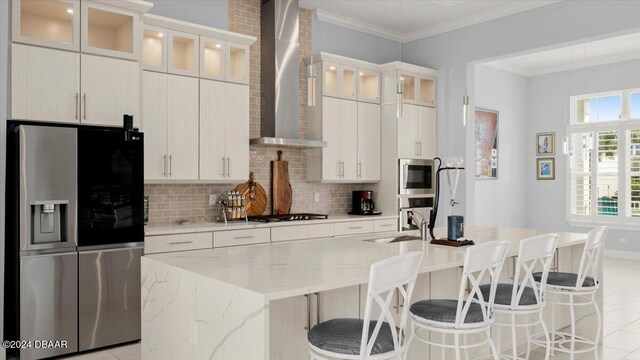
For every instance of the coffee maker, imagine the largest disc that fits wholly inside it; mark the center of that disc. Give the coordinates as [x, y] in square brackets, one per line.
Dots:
[362, 203]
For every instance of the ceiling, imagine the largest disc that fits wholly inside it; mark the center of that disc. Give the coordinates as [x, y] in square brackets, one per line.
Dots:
[599, 52]
[408, 20]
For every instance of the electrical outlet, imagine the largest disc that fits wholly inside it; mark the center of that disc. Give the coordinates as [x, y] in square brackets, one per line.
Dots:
[317, 197]
[212, 199]
[623, 240]
[193, 333]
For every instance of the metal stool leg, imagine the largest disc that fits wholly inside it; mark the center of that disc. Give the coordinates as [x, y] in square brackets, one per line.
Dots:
[494, 352]
[514, 340]
[457, 344]
[599, 329]
[572, 312]
[546, 338]
[553, 327]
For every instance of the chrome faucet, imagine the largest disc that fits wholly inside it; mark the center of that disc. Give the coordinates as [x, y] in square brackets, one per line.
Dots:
[422, 223]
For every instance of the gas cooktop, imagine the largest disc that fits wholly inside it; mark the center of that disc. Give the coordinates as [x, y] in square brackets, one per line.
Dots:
[288, 217]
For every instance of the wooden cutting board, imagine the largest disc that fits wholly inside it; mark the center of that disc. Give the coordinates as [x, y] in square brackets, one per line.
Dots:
[255, 196]
[281, 192]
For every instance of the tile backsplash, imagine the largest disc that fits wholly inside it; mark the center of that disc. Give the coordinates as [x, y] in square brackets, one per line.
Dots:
[171, 203]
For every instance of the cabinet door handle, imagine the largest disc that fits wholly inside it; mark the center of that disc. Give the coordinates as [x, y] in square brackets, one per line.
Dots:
[317, 308]
[308, 327]
[243, 237]
[228, 166]
[343, 169]
[338, 170]
[77, 98]
[224, 166]
[180, 242]
[84, 100]
[416, 149]
[170, 165]
[164, 165]
[420, 147]
[386, 225]
[359, 168]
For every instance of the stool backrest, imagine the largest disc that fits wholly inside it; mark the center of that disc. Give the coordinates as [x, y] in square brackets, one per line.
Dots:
[480, 262]
[399, 274]
[535, 253]
[591, 255]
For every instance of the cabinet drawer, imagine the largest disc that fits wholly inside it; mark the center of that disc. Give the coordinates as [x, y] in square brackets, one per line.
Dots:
[240, 237]
[385, 225]
[178, 242]
[299, 232]
[353, 227]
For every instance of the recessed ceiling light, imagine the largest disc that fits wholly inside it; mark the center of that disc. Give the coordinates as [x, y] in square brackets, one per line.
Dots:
[401, 78]
[361, 73]
[218, 46]
[70, 11]
[332, 67]
[160, 35]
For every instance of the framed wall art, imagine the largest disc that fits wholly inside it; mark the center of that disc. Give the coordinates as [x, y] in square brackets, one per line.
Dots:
[486, 162]
[545, 169]
[545, 144]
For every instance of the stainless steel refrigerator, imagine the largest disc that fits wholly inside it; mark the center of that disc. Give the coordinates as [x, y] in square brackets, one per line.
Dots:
[74, 237]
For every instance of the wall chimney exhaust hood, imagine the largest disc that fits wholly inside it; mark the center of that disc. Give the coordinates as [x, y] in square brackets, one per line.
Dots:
[280, 77]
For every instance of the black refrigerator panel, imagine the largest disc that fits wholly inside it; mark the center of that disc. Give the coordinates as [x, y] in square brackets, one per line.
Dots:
[110, 187]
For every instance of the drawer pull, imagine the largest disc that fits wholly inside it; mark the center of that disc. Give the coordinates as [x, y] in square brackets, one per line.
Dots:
[180, 242]
[355, 227]
[386, 225]
[243, 237]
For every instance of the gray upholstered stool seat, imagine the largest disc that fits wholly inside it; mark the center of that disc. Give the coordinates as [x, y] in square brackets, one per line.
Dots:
[564, 279]
[444, 310]
[343, 336]
[503, 294]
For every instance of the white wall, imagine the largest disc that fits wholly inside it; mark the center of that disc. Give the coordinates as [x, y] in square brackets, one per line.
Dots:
[343, 41]
[500, 202]
[214, 13]
[455, 53]
[548, 99]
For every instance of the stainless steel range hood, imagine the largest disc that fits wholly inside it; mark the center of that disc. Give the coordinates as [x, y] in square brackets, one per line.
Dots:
[280, 77]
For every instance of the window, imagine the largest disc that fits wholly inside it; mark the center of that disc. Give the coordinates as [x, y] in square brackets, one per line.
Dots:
[604, 167]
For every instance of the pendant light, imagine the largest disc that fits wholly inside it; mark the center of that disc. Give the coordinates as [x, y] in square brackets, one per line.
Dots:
[465, 97]
[311, 83]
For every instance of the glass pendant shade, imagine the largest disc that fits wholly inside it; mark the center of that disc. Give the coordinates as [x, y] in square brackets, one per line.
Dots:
[400, 100]
[311, 85]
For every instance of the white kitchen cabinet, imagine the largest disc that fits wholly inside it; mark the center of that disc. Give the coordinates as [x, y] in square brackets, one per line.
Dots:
[110, 30]
[53, 23]
[410, 91]
[339, 303]
[171, 126]
[177, 242]
[212, 58]
[237, 63]
[182, 115]
[353, 228]
[368, 86]
[339, 81]
[368, 168]
[110, 88]
[301, 232]
[340, 131]
[45, 84]
[289, 320]
[154, 105]
[154, 48]
[427, 91]
[417, 133]
[241, 237]
[183, 53]
[224, 131]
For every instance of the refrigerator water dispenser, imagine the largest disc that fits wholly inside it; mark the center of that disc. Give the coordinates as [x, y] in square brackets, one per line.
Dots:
[49, 221]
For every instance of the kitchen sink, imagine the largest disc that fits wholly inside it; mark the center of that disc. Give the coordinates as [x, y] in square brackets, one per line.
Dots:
[395, 239]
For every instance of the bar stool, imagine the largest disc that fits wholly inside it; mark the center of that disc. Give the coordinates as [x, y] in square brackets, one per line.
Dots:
[371, 339]
[573, 290]
[471, 313]
[525, 297]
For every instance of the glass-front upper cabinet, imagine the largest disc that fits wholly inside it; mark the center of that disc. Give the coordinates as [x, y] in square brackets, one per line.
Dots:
[426, 90]
[183, 53]
[154, 48]
[368, 86]
[212, 58]
[52, 23]
[339, 80]
[409, 82]
[110, 31]
[237, 63]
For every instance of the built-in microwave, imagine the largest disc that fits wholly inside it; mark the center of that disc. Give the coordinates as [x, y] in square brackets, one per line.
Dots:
[416, 176]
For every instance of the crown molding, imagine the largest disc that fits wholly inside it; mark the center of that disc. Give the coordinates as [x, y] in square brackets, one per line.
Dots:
[357, 25]
[488, 15]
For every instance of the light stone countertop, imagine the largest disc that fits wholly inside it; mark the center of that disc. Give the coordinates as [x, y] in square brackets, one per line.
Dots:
[208, 227]
[287, 269]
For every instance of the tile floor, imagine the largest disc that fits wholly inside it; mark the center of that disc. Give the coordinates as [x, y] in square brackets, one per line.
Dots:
[621, 325]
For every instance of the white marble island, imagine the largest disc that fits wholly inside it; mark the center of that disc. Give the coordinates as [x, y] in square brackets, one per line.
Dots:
[245, 302]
